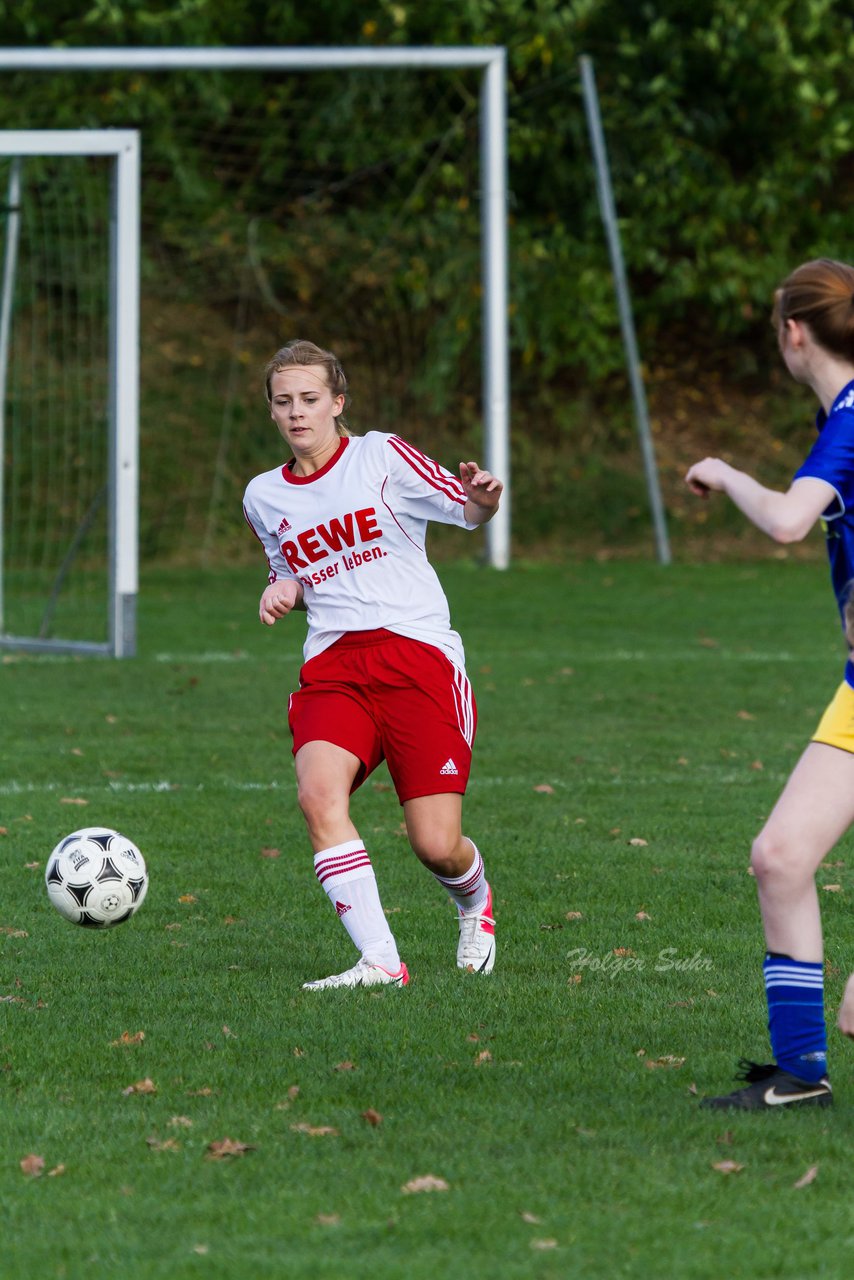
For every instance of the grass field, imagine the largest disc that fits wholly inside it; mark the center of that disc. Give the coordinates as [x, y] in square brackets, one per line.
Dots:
[636, 723]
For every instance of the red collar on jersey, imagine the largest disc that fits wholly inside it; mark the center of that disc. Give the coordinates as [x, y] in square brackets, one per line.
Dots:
[288, 468]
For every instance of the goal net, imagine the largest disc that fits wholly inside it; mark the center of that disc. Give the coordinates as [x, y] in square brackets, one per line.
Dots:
[68, 338]
[360, 205]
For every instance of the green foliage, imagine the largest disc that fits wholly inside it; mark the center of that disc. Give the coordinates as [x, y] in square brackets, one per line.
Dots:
[729, 134]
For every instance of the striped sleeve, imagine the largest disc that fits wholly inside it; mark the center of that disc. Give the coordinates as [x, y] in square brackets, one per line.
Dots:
[426, 490]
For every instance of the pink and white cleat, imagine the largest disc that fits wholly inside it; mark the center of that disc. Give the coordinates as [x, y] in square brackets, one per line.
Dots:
[363, 974]
[476, 947]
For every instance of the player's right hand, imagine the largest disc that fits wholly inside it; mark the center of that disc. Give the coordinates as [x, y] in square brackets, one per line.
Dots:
[708, 476]
[278, 600]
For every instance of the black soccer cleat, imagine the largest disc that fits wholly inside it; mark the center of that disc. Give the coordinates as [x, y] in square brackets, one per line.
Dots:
[769, 1086]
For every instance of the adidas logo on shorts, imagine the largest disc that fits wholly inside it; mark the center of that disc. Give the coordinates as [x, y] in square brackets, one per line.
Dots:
[449, 768]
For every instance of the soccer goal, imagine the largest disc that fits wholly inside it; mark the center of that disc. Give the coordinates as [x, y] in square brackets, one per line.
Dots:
[356, 197]
[69, 303]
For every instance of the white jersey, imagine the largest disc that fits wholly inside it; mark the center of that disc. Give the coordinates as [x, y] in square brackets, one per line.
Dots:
[353, 534]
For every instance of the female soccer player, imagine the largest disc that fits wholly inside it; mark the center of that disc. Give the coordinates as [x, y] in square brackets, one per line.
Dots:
[343, 525]
[814, 319]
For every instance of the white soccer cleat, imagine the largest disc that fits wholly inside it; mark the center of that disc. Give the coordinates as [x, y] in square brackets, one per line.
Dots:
[363, 974]
[476, 947]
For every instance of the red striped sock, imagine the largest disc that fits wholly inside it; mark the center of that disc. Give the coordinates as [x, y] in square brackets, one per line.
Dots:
[347, 876]
[468, 891]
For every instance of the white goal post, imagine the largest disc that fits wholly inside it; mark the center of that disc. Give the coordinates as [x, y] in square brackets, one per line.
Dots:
[121, 483]
[491, 61]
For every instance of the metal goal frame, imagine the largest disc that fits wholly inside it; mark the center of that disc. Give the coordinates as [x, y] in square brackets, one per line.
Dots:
[492, 62]
[123, 369]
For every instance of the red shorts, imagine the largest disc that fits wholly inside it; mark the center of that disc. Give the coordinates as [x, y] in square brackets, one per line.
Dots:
[383, 696]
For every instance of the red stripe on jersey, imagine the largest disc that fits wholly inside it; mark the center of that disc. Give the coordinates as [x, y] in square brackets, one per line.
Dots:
[272, 576]
[429, 470]
[394, 517]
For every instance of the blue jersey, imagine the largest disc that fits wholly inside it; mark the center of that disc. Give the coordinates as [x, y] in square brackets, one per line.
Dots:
[832, 459]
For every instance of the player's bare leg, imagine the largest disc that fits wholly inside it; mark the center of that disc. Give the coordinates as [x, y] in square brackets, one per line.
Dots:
[325, 773]
[434, 827]
[815, 809]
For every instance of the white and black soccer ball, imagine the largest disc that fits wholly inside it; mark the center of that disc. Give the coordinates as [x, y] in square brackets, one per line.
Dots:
[96, 877]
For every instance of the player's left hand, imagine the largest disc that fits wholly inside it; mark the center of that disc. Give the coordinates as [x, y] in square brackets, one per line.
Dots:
[481, 487]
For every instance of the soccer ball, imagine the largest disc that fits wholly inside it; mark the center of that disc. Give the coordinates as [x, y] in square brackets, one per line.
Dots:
[96, 877]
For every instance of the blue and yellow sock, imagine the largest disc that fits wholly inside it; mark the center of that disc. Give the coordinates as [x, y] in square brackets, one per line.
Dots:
[795, 993]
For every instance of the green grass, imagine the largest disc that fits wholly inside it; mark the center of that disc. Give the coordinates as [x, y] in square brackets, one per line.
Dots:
[657, 705]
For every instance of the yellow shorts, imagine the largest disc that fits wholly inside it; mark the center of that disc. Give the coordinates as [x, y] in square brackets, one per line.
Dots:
[836, 726]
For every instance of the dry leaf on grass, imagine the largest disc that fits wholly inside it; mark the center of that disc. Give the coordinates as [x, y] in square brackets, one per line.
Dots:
[574, 915]
[180, 1122]
[126, 1038]
[544, 789]
[327, 1219]
[73, 800]
[315, 1130]
[32, 1166]
[225, 1148]
[544, 1244]
[530, 1218]
[372, 1117]
[642, 915]
[293, 1094]
[638, 842]
[832, 888]
[427, 1182]
[162, 1144]
[10, 932]
[728, 1166]
[482, 1058]
[188, 898]
[810, 1176]
[57, 1171]
[345, 1066]
[270, 853]
[668, 1060]
[141, 1086]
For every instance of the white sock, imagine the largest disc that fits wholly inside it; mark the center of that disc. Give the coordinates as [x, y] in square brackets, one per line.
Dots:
[468, 891]
[346, 874]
